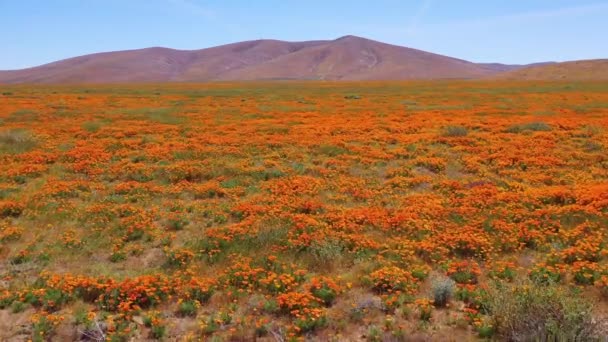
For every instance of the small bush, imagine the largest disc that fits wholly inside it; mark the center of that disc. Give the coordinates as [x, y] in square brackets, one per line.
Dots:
[17, 141]
[176, 223]
[18, 306]
[532, 126]
[158, 332]
[43, 327]
[325, 289]
[533, 312]
[443, 290]
[374, 334]
[91, 126]
[271, 306]
[332, 150]
[187, 308]
[455, 131]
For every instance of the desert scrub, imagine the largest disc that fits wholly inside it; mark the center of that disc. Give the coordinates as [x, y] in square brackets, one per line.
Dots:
[442, 289]
[454, 131]
[464, 272]
[15, 141]
[503, 270]
[91, 126]
[43, 326]
[545, 274]
[324, 289]
[529, 311]
[187, 308]
[532, 126]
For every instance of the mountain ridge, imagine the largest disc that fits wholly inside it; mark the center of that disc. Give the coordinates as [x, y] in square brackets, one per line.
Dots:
[345, 58]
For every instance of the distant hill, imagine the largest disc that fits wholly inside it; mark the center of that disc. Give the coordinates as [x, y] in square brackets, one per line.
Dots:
[595, 69]
[345, 58]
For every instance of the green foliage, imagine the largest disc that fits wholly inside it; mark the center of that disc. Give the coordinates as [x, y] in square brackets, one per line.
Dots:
[307, 324]
[374, 334]
[15, 141]
[545, 275]
[158, 331]
[18, 306]
[325, 294]
[528, 311]
[118, 256]
[42, 330]
[177, 223]
[187, 308]
[332, 150]
[271, 306]
[532, 126]
[485, 331]
[91, 126]
[455, 131]
[442, 289]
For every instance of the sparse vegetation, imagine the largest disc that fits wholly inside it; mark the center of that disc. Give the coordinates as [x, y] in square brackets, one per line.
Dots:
[183, 211]
[16, 141]
[532, 126]
[455, 131]
[528, 311]
[443, 290]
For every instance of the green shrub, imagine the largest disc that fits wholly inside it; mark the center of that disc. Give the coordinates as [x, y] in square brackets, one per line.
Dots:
[158, 332]
[118, 256]
[485, 331]
[533, 312]
[374, 334]
[271, 306]
[307, 323]
[42, 329]
[443, 290]
[332, 150]
[455, 131]
[532, 126]
[187, 308]
[177, 223]
[18, 306]
[91, 126]
[15, 141]
[325, 294]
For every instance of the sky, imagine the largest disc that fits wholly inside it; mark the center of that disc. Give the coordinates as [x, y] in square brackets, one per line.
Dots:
[35, 32]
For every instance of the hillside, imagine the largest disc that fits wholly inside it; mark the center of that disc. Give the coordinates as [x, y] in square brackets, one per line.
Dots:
[596, 69]
[345, 58]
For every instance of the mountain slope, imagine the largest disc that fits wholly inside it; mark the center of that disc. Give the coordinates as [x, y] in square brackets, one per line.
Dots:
[346, 58]
[153, 64]
[355, 58]
[595, 69]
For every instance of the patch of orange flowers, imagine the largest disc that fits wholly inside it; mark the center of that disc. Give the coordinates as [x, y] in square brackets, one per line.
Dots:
[278, 202]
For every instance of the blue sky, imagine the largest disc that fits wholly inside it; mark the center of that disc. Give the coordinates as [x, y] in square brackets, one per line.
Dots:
[34, 32]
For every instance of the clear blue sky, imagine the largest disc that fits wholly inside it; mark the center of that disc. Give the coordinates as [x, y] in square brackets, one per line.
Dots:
[34, 32]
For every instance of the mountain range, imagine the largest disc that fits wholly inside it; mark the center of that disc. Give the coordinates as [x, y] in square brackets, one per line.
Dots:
[345, 58]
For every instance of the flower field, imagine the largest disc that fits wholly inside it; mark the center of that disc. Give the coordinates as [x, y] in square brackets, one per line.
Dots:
[286, 211]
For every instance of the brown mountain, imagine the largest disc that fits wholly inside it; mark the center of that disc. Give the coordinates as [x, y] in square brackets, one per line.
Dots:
[594, 69]
[346, 58]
